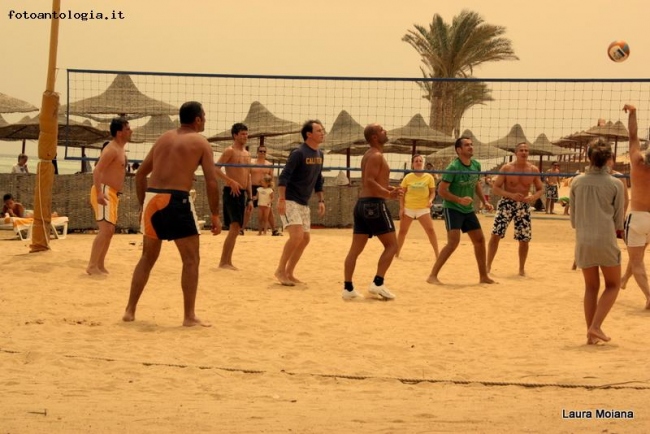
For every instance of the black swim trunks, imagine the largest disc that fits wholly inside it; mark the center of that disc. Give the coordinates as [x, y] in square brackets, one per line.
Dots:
[371, 217]
[168, 215]
[233, 208]
[255, 187]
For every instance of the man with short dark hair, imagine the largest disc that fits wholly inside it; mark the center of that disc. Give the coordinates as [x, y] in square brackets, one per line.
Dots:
[301, 176]
[11, 207]
[235, 205]
[457, 190]
[167, 209]
[108, 180]
[513, 185]
[257, 175]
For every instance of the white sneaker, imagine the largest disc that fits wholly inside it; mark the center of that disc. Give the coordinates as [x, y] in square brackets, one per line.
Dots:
[381, 291]
[351, 295]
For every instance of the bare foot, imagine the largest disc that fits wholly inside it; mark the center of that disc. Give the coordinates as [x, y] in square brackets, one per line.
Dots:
[194, 321]
[597, 334]
[522, 273]
[486, 279]
[574, 266]
[103, 270]
[284, 279]
[294, 279]
[434, 280]
[94, 271]
[128, 316]
[647, 304]
[593, 341]
[228, 267]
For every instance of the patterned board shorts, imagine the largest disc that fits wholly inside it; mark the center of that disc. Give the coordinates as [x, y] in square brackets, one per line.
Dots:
[551, 192]
[296, 214]
[507, 210]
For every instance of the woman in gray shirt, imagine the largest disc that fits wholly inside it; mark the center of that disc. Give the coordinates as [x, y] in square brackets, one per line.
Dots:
[597, 212]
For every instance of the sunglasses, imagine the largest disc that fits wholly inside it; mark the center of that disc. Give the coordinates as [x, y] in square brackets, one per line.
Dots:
[261, 152]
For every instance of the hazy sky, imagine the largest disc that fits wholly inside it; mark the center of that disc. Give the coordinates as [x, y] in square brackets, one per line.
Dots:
[553, 38]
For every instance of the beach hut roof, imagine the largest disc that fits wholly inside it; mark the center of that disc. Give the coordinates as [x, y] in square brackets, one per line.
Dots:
[153, 128]
[261, 123]
[611, 131]
[71, 133]
[345, 133]
[9, 104]
[417, 133]
[512, 139]
[122, 97]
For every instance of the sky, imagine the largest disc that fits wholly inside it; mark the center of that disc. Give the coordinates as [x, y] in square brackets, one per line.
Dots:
[552, 38]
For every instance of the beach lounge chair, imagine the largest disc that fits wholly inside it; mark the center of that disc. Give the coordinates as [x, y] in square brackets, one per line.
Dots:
[23, 227]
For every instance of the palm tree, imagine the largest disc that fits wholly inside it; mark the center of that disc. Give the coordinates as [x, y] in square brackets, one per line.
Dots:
[453, 51]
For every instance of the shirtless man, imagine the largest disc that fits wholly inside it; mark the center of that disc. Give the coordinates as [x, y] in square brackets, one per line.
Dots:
[257, 175]
[637, 225]
[235, 204]
[371, 216]
[552, 185]
[108, 180]
[515, 204]
[11, 207]
[167, 211]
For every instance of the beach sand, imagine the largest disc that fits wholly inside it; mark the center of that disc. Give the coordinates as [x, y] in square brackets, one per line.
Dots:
[464, 357]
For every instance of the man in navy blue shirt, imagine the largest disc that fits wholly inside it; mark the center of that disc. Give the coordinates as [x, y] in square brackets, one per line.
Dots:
[301, 176]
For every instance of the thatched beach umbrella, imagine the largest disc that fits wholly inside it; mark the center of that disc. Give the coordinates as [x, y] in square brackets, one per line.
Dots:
[3, 122]
[575, 142]
[611, 131]
[345, 134]
[481, 152]
[9, 104]
[510, 141]
[70, 132]
[418, 135]
[153, 128]
[261, 123]
[121, 97]
[543, 146]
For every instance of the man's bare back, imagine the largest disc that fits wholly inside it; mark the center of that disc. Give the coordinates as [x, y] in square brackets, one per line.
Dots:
[175, 157]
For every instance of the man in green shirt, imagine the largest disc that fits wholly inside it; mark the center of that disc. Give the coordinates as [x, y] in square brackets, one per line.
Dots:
[457, 189]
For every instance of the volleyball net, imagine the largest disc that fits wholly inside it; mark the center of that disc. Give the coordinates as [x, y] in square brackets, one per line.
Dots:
[557, 117]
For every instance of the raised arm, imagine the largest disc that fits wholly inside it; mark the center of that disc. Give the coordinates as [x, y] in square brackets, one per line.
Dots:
[635, 144]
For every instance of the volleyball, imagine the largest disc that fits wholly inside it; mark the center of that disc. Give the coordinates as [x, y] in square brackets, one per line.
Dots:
[618, 51]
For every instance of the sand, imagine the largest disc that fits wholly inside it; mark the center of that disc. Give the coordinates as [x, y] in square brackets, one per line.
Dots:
[464, 357]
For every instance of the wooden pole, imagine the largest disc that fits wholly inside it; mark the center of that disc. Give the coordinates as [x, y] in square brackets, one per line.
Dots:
[47, 143]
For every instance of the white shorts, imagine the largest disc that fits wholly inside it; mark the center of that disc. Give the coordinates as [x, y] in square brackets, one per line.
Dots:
[416, 213]
[296, 214]
[637, 229]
